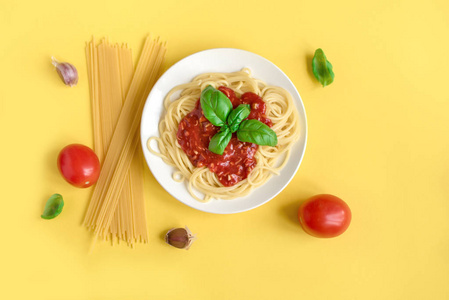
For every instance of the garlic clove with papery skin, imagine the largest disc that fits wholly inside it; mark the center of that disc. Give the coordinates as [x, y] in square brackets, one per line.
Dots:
[180, 238]
[66, 71]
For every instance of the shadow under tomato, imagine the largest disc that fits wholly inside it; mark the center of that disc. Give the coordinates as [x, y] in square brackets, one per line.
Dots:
[290, 212]
[295, 195]
[51, 166]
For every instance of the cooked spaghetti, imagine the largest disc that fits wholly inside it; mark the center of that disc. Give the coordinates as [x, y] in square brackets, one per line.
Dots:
[203, 184]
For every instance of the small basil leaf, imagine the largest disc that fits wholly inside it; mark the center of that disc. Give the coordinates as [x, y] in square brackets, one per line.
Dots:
[322, 68]
[236, 116]
[220, 140]
[256, 132]
[53, 207]
[216, 106]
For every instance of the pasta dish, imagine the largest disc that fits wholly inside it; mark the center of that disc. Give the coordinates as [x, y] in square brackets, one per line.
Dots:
[186, 134]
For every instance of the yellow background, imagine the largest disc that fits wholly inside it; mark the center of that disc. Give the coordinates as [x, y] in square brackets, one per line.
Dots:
[378, 138]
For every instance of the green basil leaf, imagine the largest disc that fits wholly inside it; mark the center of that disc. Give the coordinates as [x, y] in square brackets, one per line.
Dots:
[53, 207]
[237, 115]
[216, 106]
[220, 140]
[256, 132]
[322, 68]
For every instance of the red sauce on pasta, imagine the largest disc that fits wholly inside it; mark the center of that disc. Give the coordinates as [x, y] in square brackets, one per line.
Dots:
[237, 161]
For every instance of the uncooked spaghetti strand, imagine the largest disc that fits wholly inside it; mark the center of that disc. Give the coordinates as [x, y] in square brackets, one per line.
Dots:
[106, 174]
[112, 181]
[124, 163]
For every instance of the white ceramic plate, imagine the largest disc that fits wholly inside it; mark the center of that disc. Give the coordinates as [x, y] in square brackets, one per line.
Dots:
[219, 60]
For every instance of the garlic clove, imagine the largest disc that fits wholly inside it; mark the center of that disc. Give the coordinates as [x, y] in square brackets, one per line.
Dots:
[180, 238]
[66, 71]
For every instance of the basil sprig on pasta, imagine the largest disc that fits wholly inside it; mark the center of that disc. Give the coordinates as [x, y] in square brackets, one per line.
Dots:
[218, 110]
[237, 115]
[256, 132]
[220, 140]
[216, 106]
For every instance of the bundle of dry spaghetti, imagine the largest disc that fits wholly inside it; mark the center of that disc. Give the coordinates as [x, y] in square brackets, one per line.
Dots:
[117, 209]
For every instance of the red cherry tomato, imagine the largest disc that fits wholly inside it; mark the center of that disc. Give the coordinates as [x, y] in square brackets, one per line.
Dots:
[324, 216]
[79, 165]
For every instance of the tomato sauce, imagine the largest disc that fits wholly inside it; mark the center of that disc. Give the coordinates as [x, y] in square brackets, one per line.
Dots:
[237, 161]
